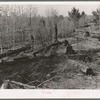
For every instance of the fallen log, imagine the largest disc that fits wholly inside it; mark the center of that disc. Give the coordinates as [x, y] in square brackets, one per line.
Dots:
[46, 49]
[17, 51]
[21, 58]
[54, 45]
[15, 85]
[83, 68]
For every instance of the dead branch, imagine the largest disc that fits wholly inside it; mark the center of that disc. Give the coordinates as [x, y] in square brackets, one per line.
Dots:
[34, 71]
[33, 82]
[15, 85]
[46, 49]
[56, 71]
[47, 80]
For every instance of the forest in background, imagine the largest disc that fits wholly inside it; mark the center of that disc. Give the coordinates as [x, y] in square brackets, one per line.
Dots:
[18, 23]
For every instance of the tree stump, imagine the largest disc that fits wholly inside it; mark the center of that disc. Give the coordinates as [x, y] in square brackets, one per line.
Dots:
[66, 43]
[69, 50]
[87, 34]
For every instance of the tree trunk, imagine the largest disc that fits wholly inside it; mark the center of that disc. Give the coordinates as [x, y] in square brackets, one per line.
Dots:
[56, 33]
[1, 45]
[13, 41]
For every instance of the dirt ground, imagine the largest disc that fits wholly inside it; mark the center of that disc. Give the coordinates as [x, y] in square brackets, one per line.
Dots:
[71, 77]
[58, 72]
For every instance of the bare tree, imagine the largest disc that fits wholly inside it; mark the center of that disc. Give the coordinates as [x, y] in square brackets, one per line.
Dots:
[49, 25]
[31, 15]
[4, 11]
[14, 17]
[53, 18]
[42, 32]
[31, 12]
[22, 23]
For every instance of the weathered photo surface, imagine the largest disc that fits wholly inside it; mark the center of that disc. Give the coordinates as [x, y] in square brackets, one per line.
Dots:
[50, 45]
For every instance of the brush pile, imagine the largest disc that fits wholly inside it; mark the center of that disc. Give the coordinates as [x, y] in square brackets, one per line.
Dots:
[31, 72]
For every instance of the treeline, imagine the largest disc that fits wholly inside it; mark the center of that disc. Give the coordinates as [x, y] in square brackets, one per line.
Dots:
[19, 22]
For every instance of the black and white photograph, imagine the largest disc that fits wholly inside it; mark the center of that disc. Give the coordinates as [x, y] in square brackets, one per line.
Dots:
[50, 45]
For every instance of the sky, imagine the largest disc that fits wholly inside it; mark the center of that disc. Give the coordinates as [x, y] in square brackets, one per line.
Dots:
[61, 7]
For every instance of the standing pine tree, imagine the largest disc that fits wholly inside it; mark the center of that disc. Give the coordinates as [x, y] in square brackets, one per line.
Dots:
[96, 15]
[74, 16]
